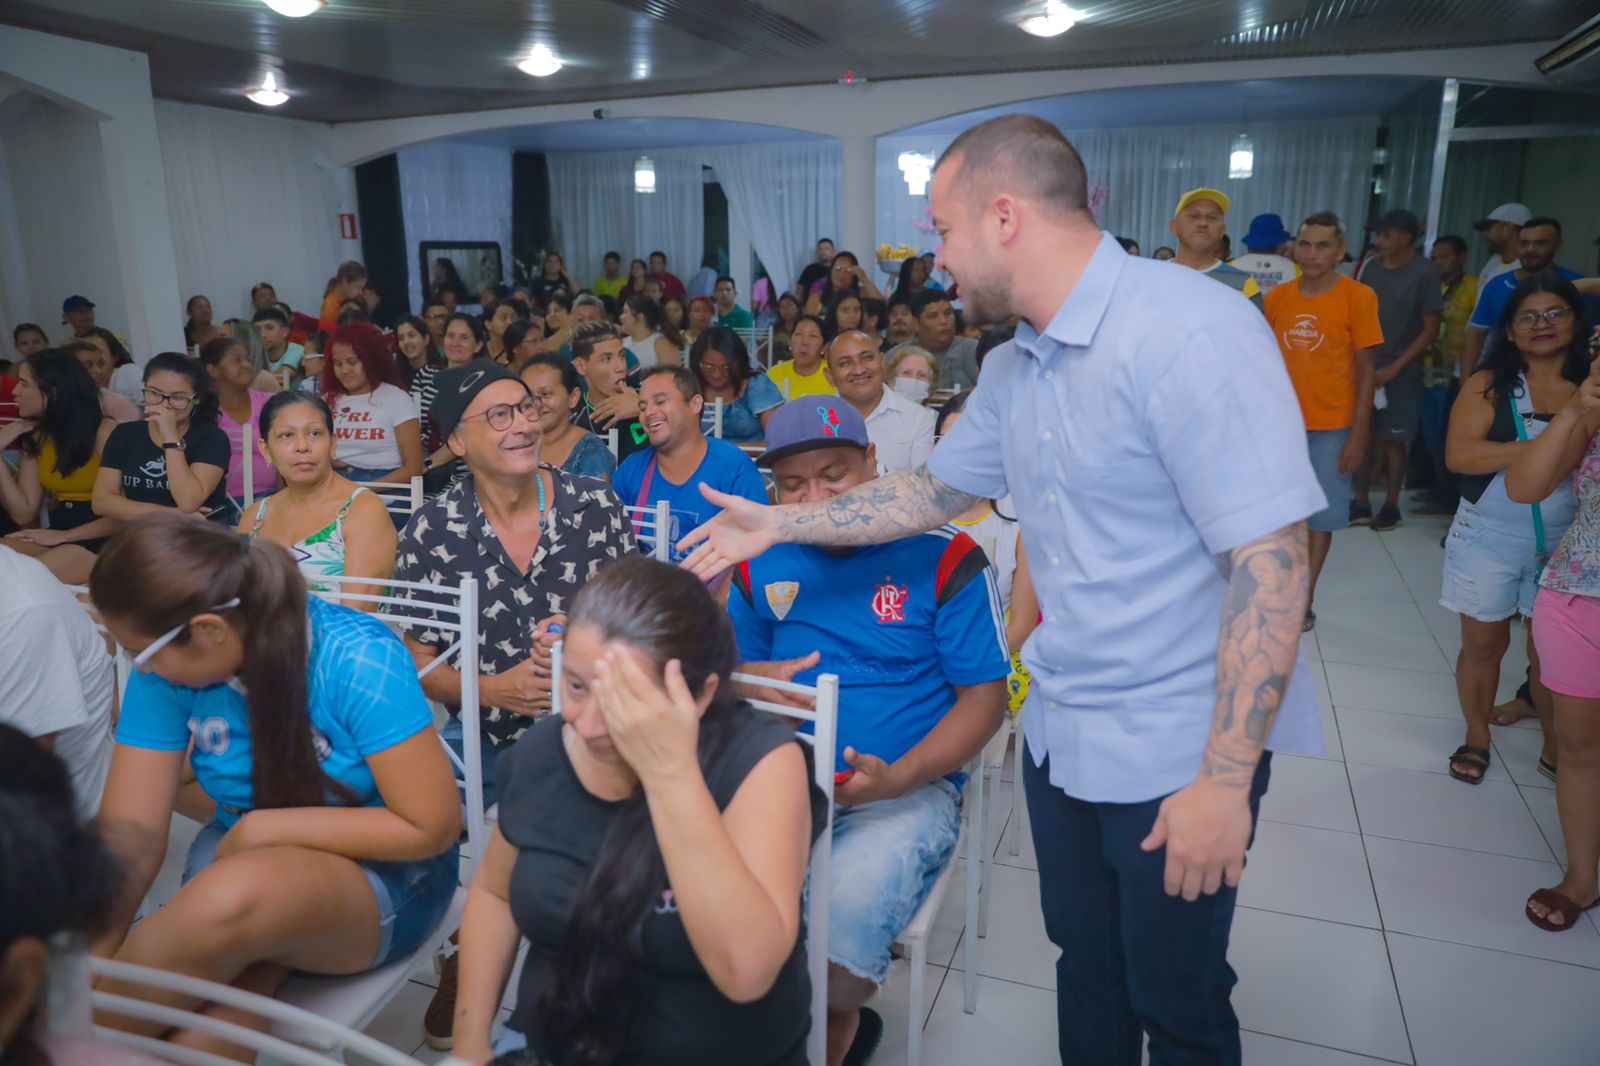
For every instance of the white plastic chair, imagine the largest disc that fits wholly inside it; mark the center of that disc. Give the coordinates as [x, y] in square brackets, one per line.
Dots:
[711, 417]
[653, 524]
[247, 452]
[73, 1000]
[611, 440]
[355, 1000]
[400, 497]
[824, 721]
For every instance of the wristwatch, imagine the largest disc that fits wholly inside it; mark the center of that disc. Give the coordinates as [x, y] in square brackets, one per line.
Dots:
[178, 444]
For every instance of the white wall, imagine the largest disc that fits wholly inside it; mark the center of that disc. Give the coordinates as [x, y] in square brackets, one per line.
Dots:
[454, 192]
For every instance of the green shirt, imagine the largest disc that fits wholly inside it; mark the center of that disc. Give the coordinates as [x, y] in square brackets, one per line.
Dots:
[738, 318]
[611, 287]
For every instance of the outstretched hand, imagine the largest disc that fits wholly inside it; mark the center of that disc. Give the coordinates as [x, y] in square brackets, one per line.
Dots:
[741, 532]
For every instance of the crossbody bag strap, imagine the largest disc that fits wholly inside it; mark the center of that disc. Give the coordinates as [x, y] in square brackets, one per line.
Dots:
[1538, 512]
[643, 502]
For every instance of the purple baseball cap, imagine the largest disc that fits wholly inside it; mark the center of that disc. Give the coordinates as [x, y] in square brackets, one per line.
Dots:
[813, 422]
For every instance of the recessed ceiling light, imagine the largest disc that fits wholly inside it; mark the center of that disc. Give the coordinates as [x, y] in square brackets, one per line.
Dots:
[295, 9]
[541, 62]
[1052, 20]
[267, 94]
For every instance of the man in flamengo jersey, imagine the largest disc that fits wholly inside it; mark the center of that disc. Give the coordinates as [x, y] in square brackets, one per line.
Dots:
[914, 630]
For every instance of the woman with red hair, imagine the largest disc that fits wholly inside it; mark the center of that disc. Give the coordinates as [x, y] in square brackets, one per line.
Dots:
[376, 431]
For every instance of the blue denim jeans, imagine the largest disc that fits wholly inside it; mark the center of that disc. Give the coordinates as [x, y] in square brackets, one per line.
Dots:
[1134, 960]
[454, 735]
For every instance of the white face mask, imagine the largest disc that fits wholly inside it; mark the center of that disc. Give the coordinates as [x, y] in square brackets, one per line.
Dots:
[912, 389]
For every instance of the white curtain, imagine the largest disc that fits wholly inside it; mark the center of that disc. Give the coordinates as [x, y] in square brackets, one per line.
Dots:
[251, 200]
[1137, 174]
[53, 189]
[785, 195]
[454, 192]
[594, 209]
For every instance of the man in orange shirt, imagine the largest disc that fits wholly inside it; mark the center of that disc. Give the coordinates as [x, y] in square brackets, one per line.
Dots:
[1327, 328]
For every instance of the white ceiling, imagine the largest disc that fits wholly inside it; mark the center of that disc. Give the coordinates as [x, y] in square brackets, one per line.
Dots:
[630, 133]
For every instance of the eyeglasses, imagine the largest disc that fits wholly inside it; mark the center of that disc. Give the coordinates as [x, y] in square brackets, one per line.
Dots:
[178, 401]
[142, 660]
[436, 317]
[1531, 319]
[501, 415]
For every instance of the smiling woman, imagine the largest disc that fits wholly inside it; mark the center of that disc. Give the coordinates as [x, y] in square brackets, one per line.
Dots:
[375, 423]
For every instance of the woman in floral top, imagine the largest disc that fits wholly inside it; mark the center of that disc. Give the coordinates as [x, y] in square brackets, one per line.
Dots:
[1566, 634]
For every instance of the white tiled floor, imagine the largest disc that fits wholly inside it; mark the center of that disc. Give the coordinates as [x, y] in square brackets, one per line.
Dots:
[1381, 916]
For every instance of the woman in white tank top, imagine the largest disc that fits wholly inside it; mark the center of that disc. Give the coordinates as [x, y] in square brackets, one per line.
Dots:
[649, 336]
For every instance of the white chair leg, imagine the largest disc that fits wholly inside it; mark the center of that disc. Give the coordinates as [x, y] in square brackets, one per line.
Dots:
[1019, 801]
[976, 867]
[919, 973]
[986, 888]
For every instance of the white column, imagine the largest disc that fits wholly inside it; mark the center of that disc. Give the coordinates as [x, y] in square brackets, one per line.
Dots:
[857, 198]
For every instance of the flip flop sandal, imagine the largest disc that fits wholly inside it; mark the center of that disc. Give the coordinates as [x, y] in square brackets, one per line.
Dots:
[1310, 622]
[1547, 768]
[1470, 755]
[869, 1034]
[1558, 904]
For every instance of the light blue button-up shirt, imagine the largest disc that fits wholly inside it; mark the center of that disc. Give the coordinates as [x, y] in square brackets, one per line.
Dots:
[1146, 433]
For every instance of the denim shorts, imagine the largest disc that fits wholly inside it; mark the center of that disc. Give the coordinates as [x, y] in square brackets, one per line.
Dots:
[1324, 446]
[886, 857]
[412, 896]
[1491, 572]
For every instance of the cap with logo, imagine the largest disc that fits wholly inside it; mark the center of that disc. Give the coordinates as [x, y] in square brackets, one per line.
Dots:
[75, 303]
[1216, 196]
[813, 422]
[1516, 214]
[459, 386]
[1396, 219]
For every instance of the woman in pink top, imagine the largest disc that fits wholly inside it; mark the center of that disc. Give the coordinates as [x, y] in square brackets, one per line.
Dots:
[228, 365]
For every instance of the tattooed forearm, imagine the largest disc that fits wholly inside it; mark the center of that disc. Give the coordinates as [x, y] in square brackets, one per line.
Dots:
[1261, 620]
[885, 509]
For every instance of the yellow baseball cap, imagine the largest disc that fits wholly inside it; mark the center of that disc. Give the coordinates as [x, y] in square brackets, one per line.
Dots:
[1216, 196]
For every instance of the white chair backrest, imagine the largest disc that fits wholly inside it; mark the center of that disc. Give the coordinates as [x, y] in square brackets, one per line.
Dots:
[652, 524]
[711, 418]
[247, 451]
[400, 497]
[453, 611]
[611, 442]
[783, 387]
[74, 1019]
[823, 738]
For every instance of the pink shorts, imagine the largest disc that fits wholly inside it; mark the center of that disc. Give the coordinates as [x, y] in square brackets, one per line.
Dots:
[1566, 633]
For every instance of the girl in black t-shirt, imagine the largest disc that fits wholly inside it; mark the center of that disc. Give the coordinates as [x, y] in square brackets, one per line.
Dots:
[651, 847]
[175, 458]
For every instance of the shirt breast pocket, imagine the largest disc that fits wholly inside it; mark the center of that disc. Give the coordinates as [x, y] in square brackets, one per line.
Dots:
[1121, 511]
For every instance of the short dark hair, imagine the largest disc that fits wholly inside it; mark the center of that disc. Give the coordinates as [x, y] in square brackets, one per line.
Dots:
[926, 299]
[724, 277]
[1024, 154]
[570, 378]
[1325, 218]
[894, 301]
[588, 334]
[872, 307]
[270, 314]
[496, 291]
[682, 376]
[28, 327]
[258, 286]
[822, 239]
[1450, 240]
[1543, 220]
[657, 252]
[992, 339]
[612, 255]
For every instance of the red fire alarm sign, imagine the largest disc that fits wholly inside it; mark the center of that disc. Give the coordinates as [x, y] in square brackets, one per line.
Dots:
[347, 226]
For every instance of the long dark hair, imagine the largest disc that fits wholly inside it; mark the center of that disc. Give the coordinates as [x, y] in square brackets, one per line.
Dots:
[587, 1008]
[434, 357]
[732, 347]
[206, 404]
[655, 316]
[827, 293]
[71, 416]
[1505, 360]
[216, 349]
[830, 316]
[902, 285]
[164, 569]
[288, 398]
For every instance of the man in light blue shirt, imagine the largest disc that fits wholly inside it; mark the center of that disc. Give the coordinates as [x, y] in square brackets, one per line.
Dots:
[1145, 426]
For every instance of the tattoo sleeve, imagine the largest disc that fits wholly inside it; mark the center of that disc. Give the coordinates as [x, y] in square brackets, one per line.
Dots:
[1267, 593]
[884, 509]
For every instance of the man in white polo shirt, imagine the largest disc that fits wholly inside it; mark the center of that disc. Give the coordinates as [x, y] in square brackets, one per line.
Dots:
[900, 429]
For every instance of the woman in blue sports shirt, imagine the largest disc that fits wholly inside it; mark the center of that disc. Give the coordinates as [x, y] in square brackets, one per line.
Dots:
[333, 846]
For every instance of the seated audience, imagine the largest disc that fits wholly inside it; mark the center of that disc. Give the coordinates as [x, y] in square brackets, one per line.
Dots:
[936, 332]
[789, 312]
[465, 339]
[1163, 253]
[638, 272]
[558, 323]
[531, 535]
[901, 429]
[333, 846]
[345, 286]
[553, 278]
[702, 316]
[844, 275]
[375, 422]
[729, 312]
[993, 338]
[96, 359]
[311, 362]
[414, 350]
[680, 459]
[522, 342]
[675, 312]
[670, 283]
[902, 324]
[720, 802]
[844, 313]
[58, 887]
[721, 362]
[1531, 368]
[176, 458]
[649, 338]
[609, 401]
[497, 318]
[815, 270]
[874, 314]
[436, 315]
[914, 373]
[922, 666]
[55, 675]
[238, 406]
[199, 330]
[263, 294]
[557, 388]
[62, 437]
[610, 282]
[915, 277]
[28, 338]
[332, 526]
[803, 373]
[704, 281]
